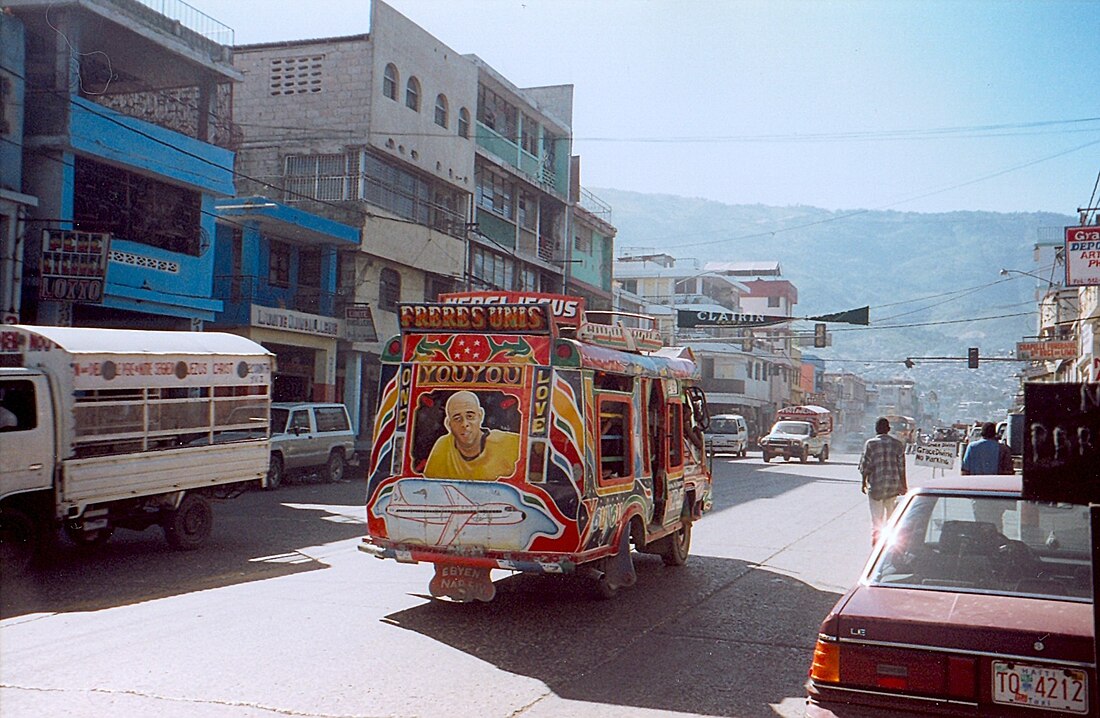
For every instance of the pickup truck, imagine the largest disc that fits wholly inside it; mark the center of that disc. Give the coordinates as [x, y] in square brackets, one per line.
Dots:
[800, 432]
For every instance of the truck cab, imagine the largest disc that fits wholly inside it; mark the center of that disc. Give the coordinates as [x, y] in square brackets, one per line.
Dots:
[27, 440]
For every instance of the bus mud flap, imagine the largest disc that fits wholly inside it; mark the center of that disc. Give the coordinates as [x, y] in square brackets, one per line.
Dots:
[619, 569]
[462, 584]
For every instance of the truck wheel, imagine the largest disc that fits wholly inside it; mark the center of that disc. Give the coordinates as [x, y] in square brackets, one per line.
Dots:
[767, 457]
[674, 548]
[335, 468]
[824, 455]
[274, 472]
[18, 542]
[190, 525]
[805, 454]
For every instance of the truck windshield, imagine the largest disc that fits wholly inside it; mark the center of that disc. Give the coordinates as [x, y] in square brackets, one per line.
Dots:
[791, 427]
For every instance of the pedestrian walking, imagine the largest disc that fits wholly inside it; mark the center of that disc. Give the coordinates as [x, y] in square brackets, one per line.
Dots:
[986, 455]
[882, 466]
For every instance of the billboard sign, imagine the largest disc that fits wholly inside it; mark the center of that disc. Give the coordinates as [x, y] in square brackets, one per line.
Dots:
[73, 266]
[1062, 442]
[1082, 252]
[1040, 351]
[691, 319]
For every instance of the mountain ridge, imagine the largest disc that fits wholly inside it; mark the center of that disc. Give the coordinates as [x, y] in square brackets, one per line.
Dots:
[938, 271]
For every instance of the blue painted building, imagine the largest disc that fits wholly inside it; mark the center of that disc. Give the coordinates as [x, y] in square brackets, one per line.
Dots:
[275, 275]
[126, 143]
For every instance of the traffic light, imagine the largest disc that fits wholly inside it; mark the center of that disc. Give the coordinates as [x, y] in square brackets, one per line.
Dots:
[972, 358]
[819, 336]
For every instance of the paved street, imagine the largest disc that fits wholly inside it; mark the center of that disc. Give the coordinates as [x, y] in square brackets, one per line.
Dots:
[281, 615]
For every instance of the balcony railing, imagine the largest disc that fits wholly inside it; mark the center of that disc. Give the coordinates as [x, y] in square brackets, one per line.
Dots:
[193, 19]
[249, 289]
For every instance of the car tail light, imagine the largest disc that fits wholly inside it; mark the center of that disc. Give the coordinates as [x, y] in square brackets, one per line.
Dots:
[890, 676]
[961, 677]
[826, 664]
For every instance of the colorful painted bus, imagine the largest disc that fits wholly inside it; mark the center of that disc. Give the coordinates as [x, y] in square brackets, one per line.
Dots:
[513, 434]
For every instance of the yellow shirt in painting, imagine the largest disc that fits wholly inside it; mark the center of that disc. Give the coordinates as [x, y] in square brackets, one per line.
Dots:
[499, 453]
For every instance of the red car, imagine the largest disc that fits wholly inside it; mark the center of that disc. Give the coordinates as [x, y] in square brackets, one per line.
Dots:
[976, 603]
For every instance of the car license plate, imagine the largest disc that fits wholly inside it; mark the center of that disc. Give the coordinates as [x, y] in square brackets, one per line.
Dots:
[1018, 684]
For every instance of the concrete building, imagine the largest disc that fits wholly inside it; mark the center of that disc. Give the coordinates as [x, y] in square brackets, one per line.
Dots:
[118, 143]
[455, 177]
[275, 274]
[848, 397]
[745, 370]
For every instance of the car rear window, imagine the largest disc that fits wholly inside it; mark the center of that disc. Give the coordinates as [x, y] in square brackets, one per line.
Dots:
[989, 544]
[278, 420]
[332, 418]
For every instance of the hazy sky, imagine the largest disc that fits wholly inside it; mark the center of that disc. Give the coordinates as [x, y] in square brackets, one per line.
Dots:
[913, 106]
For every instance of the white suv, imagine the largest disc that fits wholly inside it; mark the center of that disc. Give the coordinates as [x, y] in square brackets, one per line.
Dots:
[309, 436]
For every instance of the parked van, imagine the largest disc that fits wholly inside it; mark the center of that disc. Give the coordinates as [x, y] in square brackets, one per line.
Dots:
[728, 434]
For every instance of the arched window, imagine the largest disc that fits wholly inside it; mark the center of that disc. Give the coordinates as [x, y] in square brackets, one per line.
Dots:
[389, 289]
[441, 117]
[389, 82]
[412, 94]
[464, 122]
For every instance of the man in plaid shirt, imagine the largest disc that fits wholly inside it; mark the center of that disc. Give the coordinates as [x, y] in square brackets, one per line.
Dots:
[882, 466]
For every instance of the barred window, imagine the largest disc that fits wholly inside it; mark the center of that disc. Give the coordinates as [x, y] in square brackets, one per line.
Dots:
[136, 207]
[464, 123]
[441, 114]
[329, 177]
[496, 113]
[389, 81]
[491, 269]
[279, 270]
[389, 289]
[494, 193]
[529, 135]
[412, 94]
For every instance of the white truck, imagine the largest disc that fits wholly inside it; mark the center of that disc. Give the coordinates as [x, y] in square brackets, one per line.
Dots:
[799, 433]
[106, 428]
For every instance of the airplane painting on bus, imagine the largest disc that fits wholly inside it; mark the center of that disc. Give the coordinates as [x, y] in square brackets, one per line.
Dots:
[437, 513]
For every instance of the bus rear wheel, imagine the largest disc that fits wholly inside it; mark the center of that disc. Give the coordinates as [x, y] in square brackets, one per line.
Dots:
[674, 548]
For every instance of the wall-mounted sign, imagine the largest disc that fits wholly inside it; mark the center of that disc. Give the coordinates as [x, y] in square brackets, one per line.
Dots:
[1038, 351]
[359, 324]
[73, 266]
[291, 321]
[1082, 252]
